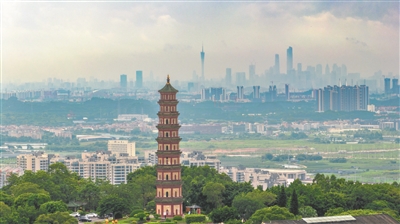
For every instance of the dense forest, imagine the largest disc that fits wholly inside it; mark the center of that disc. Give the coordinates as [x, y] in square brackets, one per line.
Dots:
[55, 113]
[48, 197]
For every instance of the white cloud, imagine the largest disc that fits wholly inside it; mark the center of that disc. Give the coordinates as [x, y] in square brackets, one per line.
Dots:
[107, 39]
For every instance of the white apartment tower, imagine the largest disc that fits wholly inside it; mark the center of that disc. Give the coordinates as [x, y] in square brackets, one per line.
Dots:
[122, 146]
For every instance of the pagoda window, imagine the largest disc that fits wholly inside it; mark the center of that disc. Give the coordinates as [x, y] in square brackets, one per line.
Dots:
[166, 121]
[176, 195]
[166, 147]
[166, 177]
[166, 133]
[175, 177]
[176, 212]
[159, 176]
[166, 194]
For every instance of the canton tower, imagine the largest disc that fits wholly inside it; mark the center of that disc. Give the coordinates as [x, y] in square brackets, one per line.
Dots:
[202, 54]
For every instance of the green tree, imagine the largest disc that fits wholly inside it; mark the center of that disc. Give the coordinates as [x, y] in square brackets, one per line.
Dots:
[90, 193]
[5, 213]
[30, 199]
[7, 199]
[282, 199]
[26, 187]
[213, 192]
[223, 214]
[246, 206]
[113, 204]
[146, 188]
[265, 197]
[294, 203]
[307, 211]
[53, 206]
[56, 218]
[271, 213]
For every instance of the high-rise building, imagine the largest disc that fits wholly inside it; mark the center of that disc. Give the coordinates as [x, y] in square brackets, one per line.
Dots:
[122, 146]
[387, 86]
[272, 92]
[169, 200]
[217, 94]
[256, 92]
[277, 69]
[327, 70]
[190, 86]
[342, 98]
[289, 65]
[299, 68]
[139, 79]
[202, 55]
[320, 100]
[33, 162]
[123, 81]
[205, 94]
[395, 86]
[240, 94]
[252, 73]
[287, 94]
[228, 76]
[240, 78]
[344, 71]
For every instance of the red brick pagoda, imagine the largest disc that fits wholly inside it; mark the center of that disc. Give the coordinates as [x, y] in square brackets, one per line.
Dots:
[169, 184]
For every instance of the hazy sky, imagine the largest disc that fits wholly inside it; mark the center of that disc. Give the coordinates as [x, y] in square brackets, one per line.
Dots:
[105, 39]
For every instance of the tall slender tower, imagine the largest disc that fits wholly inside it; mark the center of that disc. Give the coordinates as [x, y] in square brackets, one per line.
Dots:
[169, 184]
[202, 54]
[277, 66]
[289, 63]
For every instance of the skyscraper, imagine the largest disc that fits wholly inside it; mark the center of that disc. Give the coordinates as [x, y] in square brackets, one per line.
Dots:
[395, 86]
[240, 78]
[239, 92]
[228, 76]
[289, 65]
[123, 81]
[168, 198]
[387, 85]
[327, 70]
[277, 69]
[287, 92]
[139, 79]
[320, 100]
[202, 54]
[299, 68]
[252, 73]
[256, 92]
[217, 94]
[342, 98]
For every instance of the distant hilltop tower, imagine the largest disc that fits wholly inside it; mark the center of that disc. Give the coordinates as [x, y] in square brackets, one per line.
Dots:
[169, 200]
[202, 54]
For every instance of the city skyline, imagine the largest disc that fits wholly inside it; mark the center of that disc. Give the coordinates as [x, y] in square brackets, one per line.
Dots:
[69, 40]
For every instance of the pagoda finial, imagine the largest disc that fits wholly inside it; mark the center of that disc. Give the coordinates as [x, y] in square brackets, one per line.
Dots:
[167, 79]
